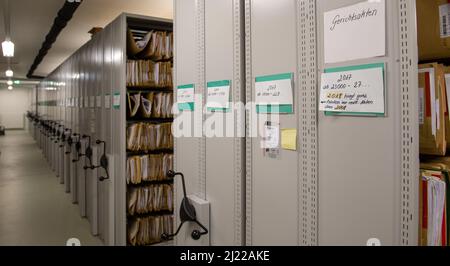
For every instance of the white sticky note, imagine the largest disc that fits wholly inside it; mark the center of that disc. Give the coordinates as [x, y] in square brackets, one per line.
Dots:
[355, 32]
[360, 90]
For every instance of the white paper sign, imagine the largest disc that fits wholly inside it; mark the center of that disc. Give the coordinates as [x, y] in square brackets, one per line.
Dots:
[185, 95]
[359, 90]
[444, 16]
[218, 95]
[355, 32]
[274, 93]
[116, 100]
[271, 138]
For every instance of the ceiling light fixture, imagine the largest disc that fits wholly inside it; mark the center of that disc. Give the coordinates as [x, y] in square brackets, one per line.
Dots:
[9, 82]
[8, 48]
[7, 45]
[10, 88]
[9, 73]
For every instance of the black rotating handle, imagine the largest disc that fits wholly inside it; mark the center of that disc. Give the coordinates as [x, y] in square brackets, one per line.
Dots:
[103, 161]
[69, 141]
[63, 137]
[187, 213]
[58, 133]
[88, 152]
[78, 148]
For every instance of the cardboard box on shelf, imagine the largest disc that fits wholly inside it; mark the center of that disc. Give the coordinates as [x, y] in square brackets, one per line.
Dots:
[433, 108]
[447, 100]
[433, 29]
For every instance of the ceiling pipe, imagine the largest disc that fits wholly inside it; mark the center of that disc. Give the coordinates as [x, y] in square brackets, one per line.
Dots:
[7, 19]
[65, 14]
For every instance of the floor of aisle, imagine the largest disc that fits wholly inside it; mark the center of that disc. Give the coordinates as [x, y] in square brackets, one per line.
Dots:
[34, 209]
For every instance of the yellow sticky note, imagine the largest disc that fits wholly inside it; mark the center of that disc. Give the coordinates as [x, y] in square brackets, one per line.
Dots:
[289, 139]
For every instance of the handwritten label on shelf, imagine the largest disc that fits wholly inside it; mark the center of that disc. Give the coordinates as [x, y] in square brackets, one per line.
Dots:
[99, 101]
[186, 97]
[357, 90]
[116, 100]
[355, 32]
[274, 94]
[108, 101]
[218, 96]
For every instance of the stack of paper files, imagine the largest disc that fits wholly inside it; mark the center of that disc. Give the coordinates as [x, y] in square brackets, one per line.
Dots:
[155, 45]
[162, 105]
[148, 168]
[432, 110]
[149, 137]
[434, 188]
[133, 103]
[148, 230]
[146, 73]
[153, 198]
[150, 104]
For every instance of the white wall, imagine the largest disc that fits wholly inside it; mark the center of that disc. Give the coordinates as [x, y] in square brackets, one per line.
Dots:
[13, 105]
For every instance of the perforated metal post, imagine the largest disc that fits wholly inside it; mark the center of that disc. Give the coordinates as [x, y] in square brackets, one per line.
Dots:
[307, 165]
[409, 123]
[200, 88]
[237, 98]
[248, 142]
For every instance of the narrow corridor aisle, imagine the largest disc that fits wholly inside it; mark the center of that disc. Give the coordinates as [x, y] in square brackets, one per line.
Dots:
[34, 209]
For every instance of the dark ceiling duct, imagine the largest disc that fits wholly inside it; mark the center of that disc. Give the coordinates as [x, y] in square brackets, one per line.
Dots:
[64, 16]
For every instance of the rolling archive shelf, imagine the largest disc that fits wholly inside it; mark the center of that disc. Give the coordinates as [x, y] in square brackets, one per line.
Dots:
[341, 178]
[209, 54]
[149, 143]
[88, 95]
